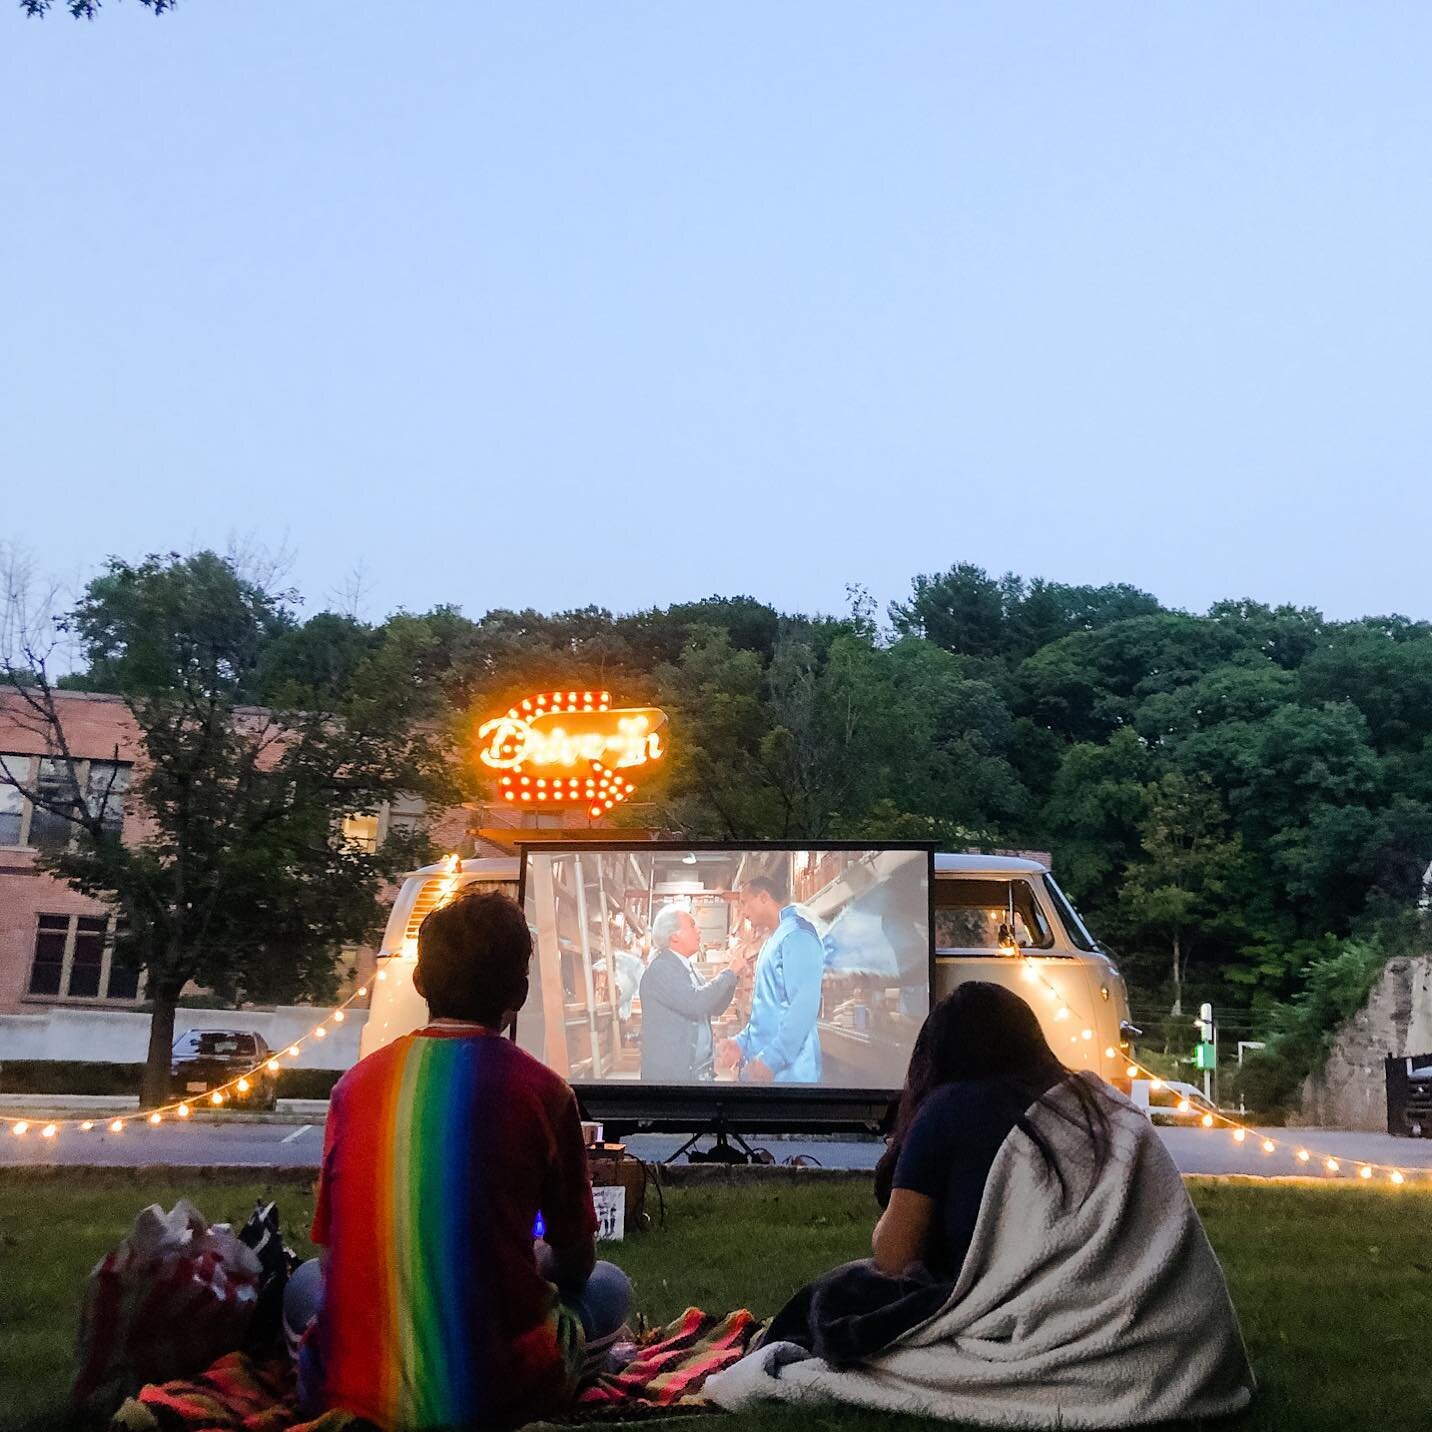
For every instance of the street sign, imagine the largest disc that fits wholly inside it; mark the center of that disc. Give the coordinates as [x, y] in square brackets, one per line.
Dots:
[1205, 1056]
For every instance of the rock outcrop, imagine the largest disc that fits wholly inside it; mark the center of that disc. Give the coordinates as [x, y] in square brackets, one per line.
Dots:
[1349, 1091]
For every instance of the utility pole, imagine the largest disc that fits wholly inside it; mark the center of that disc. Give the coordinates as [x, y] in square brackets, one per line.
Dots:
[1206, 1056]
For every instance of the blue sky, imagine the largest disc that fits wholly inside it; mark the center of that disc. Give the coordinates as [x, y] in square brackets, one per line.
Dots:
[547, 304]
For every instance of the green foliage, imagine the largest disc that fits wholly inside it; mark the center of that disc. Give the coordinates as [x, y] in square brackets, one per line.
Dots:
[1335, 985]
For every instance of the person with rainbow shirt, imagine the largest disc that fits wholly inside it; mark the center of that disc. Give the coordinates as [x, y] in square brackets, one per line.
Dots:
[433, 1306]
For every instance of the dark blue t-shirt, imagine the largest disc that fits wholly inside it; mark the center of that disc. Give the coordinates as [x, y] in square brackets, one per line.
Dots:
[947, 1156]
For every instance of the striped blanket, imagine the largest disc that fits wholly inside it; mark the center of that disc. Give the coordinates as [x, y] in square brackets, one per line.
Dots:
[238, 1394]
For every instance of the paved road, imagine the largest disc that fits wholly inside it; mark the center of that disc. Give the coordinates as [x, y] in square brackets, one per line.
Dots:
[298, 1145]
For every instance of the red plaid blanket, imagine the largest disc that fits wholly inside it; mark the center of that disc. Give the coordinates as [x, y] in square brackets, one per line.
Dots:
[238, 1394]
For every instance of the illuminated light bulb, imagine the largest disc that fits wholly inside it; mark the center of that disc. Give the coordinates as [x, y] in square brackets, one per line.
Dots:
[1238, 1136]
[1061, 1013]
[1303, 1155]
[541, 795]
[1364, 1172]
[20, 1129]
[1030, 973]
[1207, 1121]
[182, 1111]
[511, 795]
[156, 1117]
[526, 780]
[1332, 1165]
[608, 804]
[1132, 1071]
[1086, 1034]
[1156, 1084]
[1111, 1054]
[117, 1127]
[586, 696]
[86, 1126]
[1396, 1176]
[338, 1016]
[382, 975]
[541, 781]
[1184, 1106]
[293, 1051]
[526, 705]
[320, 1033]
[216, 1098]
[362, 990]
[1267, 1146]
[49, 1131]
[1052, 992]
[243, 1086]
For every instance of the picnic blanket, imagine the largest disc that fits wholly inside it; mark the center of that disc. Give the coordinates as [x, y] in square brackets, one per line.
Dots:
[1110, 1312]
[239, 1394]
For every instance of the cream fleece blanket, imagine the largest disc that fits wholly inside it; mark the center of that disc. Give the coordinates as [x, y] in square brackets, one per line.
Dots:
[1110, 1313]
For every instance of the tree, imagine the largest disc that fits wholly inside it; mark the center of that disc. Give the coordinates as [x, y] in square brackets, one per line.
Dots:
[1176, 889]
[87, 9]
[238, 880]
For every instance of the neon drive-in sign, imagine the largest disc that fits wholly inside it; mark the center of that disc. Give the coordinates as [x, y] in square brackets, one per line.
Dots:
[571, 747]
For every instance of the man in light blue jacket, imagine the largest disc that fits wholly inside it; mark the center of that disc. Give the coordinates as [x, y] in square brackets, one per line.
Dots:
[780, 1043]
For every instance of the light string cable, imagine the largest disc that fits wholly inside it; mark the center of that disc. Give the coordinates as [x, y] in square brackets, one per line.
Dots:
[20, 1125]
[1330, 1165]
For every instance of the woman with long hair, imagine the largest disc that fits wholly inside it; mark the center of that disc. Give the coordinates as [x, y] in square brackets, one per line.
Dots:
[1037, 1261]
[980, 1065]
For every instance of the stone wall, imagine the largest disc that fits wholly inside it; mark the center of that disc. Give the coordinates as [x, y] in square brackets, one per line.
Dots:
[1350, 1090]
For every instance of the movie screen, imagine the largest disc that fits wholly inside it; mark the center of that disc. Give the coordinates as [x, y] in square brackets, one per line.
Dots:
[711, 966]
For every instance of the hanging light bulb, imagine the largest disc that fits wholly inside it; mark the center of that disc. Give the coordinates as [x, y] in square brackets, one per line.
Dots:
[1396, 1176]
[156, 1117]
[1207, 1121]
[293, 1051]
[1332, 1165]
[338, 1016]
[1303, 1156]
[1132, 1071]
[182, 1111]
[49, 1131]
[1239, 1135]
[216, 1098]
[1268, 1146]
[117, 1126]
[242, 1086]
[86, 1126]
[1364, 1172]
[20, 1129]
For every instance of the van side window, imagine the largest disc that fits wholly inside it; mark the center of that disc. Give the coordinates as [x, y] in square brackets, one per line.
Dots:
[1078, 935]
[969, 913]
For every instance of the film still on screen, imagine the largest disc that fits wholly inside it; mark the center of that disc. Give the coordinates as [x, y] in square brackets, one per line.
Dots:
[741, 966]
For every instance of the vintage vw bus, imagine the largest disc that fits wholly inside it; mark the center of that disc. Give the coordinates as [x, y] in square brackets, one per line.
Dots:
[997, 918]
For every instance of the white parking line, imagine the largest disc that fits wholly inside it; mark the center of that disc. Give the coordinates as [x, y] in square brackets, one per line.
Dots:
[297, 1133]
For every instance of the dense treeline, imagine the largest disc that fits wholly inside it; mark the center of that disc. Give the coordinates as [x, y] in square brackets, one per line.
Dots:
[1229, 795]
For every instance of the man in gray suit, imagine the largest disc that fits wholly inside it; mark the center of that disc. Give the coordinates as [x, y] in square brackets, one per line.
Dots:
[677, 1005]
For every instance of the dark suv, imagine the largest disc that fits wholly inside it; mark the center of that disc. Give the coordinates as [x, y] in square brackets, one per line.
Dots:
[203, 1059]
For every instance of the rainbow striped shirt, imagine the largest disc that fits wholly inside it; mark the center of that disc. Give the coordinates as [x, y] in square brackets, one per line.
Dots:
[440, 1149]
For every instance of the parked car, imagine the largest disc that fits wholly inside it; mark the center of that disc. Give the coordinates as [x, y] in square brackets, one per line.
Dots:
[1173, 1102]
[204, 1059]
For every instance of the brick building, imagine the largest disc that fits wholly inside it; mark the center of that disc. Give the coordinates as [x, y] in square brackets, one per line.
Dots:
[56, 944]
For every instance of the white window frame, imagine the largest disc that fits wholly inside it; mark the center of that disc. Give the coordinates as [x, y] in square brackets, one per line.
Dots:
[67, 964]
[13, 764]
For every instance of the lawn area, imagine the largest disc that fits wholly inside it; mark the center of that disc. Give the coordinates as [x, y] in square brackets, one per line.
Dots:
[1333, 1283]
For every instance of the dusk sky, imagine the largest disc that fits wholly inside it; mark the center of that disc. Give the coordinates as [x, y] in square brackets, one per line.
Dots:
[555, 304]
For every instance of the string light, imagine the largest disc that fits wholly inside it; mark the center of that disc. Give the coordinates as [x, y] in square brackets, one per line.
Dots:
[182, 1111]
[156, 1117]
[1032, 972]
[117, 1126]
[48, 1132]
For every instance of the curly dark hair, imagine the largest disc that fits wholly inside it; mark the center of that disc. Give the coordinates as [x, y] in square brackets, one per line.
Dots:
[473, 953]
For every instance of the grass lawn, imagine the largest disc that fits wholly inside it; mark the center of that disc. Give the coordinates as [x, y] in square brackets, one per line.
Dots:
[1333, 1283]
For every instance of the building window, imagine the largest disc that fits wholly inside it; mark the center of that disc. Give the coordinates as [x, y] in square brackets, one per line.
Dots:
[361, 832]
[74, 959]
[102, 785]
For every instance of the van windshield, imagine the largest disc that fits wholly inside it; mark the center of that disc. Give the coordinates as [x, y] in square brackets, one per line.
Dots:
[1081, 938]
[969, 913]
